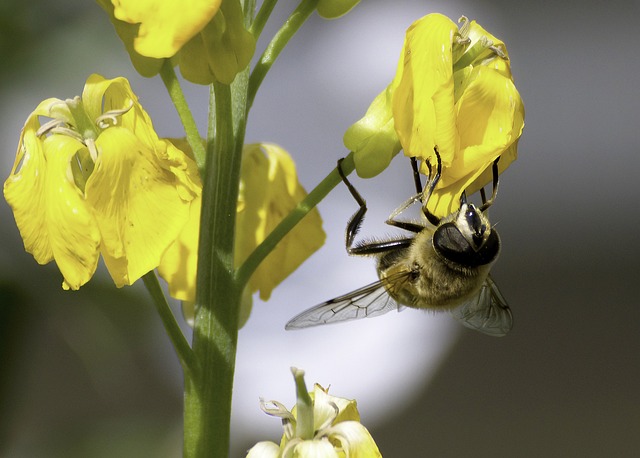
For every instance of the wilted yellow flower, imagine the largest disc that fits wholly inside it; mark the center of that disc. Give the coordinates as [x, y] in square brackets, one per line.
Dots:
[96, 179]
[269, 190]
[453, 89]
[331, 9]
[320, 425]
[207, 39]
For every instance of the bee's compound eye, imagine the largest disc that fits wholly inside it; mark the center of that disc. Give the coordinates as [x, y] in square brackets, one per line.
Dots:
[449, 243]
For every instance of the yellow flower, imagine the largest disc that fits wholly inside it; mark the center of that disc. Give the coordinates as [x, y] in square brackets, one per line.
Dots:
[331, 9]
[207, 39]
[96, 179]
[453, 90]
[320, 425]
[269, 190]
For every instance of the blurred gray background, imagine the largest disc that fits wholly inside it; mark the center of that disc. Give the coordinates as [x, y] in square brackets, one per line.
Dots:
[91, 373]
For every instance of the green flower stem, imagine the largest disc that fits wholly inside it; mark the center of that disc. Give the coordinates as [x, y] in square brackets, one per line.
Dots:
[277, 44]
[208, 391]
[261, 18]
[245, 271]
[185, 354]
[172, 84]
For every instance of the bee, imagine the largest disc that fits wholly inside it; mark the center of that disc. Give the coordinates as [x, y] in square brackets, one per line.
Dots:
[443, 265]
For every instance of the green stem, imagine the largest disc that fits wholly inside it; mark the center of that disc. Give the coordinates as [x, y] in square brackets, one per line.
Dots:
[208, 392]
[277, 44]
[261, 18]
[172, 84]
[185, 354]
[245, 271]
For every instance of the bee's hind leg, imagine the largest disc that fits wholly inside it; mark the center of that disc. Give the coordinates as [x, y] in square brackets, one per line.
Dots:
[353, 226]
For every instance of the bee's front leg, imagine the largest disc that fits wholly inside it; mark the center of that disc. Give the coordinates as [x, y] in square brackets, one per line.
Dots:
[353, 226]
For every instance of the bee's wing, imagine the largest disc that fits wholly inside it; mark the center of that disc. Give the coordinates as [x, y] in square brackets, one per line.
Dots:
[487, 312]
[368, 301]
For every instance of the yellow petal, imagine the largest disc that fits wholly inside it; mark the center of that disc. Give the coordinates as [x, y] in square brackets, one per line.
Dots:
[72, 229]
[146, 66]
[164, 26]
[49, 209]
[271, 190]
[354, 439]
[101, 96]
[179, 264]
[477, 32]
[323, 407]
[423, 100]
[314, 449]
[137, 205]
[24, 190]
[264, 449]
[223, 48]
[490, 117]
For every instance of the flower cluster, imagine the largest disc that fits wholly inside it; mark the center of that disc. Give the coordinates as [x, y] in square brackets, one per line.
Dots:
[320, 425]
[91, 177]
[453, 90]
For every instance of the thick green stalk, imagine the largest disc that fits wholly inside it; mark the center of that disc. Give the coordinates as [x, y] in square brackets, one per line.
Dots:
[172, 84]
[308, 203]
[208, 391]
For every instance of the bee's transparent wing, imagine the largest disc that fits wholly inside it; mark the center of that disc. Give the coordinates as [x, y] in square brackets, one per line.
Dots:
[368, 301]
[487, 312]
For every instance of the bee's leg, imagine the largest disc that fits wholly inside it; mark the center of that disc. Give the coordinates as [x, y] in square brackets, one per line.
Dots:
[406, 225]
[487, 203]
[416, 175]
[419, 197]
[433, 181]
[353, 226]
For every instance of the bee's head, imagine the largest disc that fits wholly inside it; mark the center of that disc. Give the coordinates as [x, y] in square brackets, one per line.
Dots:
[467, 238]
